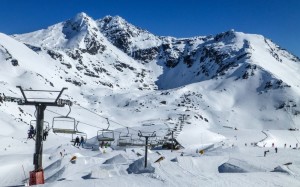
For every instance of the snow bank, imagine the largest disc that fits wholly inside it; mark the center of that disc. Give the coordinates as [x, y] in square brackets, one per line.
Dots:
[237, 166]
[118, 159]
[229, 168]
[283, 169]
[193, 137]
[137, 167]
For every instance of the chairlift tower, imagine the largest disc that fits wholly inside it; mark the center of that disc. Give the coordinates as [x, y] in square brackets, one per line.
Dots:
[37, 176]
[146, 136]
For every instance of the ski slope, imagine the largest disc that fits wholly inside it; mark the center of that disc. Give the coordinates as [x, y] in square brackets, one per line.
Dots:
[220, 165]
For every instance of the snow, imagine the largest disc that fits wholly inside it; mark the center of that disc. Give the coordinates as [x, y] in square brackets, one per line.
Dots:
[138, 167]
[119, 159]
[219, 165]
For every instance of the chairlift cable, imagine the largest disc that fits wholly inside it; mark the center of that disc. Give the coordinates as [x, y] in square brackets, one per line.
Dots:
[82, 122]
[106, 118]
[69, 111]
[99, 116]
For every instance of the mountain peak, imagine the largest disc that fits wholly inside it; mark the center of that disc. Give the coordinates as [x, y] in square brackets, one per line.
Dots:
[81, 21]
[81, 16]
[114, 22]
[114, 19]
[126, 36]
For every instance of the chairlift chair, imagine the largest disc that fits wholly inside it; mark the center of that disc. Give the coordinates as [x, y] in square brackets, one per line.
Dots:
[46, 124]
[106, 135]
[59, 123]
[125, 140]
[138, 142]
[84, 135]
[155, 141]
[57, 128]
[159, 140]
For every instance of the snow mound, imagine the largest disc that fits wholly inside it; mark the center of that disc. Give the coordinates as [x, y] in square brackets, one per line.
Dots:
[237, 166]
[229, 168]
[137, 167]
[283, 169]
[118, 159]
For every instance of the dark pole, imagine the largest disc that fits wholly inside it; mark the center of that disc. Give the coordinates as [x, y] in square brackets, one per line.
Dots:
[39, 137]
[146, 151]
[146, 145]
[172, 142]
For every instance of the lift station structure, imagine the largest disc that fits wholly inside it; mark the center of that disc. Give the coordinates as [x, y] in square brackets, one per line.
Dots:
[37, 175]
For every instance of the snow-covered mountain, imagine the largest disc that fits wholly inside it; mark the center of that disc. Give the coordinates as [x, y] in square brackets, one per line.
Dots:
[215, 92]
[230, 79]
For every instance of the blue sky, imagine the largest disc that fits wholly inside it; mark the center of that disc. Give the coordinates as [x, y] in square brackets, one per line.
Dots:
[278, 20]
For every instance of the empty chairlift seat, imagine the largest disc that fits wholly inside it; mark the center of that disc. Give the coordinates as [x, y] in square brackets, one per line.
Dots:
[64, 124]
[125, 140]
[106, 135]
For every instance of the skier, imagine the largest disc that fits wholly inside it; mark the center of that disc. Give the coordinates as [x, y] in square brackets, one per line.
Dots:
[276, 149]
[76, 141]
[45, 134]
[30, 132]
[265, 153]
[81, 141]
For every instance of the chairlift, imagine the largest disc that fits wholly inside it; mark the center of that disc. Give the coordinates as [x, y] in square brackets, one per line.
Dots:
[83, 134]
[64, 119]
[156, 141]
[59, 124]
[46, 124]
[125, 140]
[106, 135]
[138, 142]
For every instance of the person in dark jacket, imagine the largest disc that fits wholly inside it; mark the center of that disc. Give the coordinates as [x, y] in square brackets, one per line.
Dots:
[31, 132]
[81, 141]
[45, 134]
[77, 141]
